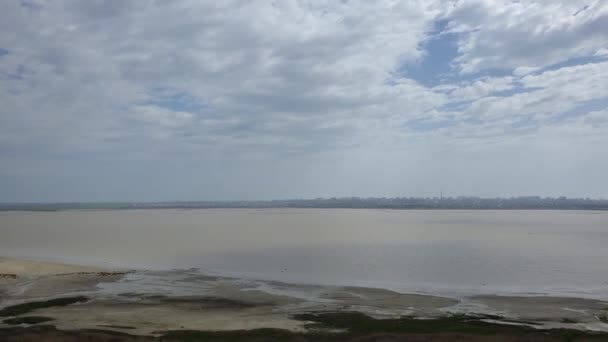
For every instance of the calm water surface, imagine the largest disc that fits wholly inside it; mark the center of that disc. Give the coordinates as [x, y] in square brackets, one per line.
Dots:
[440, 251]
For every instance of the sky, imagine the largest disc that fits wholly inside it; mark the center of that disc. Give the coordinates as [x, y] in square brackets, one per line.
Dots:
[239, 100]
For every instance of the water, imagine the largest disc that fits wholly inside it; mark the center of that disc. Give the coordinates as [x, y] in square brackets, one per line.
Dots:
[432, 251]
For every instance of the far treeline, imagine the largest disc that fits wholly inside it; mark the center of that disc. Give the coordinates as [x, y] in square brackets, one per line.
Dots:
[522, 202]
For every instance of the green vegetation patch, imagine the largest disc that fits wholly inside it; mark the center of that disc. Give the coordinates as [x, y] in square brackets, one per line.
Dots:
[212, 302]
[347, 326]
[21, 309]
[50, 333]
[27, 320]
[359, 323]
[124, 327]
[255, 335]
[8, 276]
[332, 327]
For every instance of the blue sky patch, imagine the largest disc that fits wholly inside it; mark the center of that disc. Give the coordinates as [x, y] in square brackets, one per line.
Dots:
[175, 99]
[570, 63]
[455, 106]
[514, 91]
[583, 108]
[18, 74]
[441, 49]
[437, 66]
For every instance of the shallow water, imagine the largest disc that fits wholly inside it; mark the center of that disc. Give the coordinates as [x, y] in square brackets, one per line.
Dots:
[434, 251]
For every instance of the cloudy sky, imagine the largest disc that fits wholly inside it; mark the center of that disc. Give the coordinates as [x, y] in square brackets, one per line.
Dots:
[184, 100]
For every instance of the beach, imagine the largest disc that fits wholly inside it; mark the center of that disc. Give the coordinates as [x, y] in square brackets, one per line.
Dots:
[151, 302]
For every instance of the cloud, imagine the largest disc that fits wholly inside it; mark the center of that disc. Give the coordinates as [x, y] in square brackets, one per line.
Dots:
[509, 34]
[312, 87]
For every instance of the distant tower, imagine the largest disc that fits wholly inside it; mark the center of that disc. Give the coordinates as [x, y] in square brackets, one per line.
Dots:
[441, 195]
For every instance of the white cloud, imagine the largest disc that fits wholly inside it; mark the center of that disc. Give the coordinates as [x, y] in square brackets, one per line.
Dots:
[249, 61]
[509, 34]
[601, 52]
[294, 79]
[482, 87]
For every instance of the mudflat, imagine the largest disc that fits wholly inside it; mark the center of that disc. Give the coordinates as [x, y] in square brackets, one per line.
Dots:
[54, 301]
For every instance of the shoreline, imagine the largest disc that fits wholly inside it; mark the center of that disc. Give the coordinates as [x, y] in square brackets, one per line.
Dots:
[457, 293]
[190, 300]
[61, 210]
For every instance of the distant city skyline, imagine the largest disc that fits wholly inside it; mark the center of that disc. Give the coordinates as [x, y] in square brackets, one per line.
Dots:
[461, 202]
[207, 100]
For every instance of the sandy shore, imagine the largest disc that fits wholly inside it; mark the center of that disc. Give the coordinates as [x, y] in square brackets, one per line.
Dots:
[150, 301]
[147, 302]
[22, 280]
[30, 268]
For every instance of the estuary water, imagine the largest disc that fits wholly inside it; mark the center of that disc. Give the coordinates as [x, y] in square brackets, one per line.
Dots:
[459, 252]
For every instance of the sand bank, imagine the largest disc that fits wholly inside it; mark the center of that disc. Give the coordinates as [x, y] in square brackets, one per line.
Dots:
[22, 280]
[11, 268]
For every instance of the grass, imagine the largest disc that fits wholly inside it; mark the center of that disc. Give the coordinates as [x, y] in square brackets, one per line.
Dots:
[21, 309]
[113, 326]
[359, 323]
[355, 325]
[27, 320]
[212, 302]
[49, 333]
[332, 327]
[256, 335]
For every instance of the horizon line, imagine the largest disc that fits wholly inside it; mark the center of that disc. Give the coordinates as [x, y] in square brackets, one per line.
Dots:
[443, 197]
